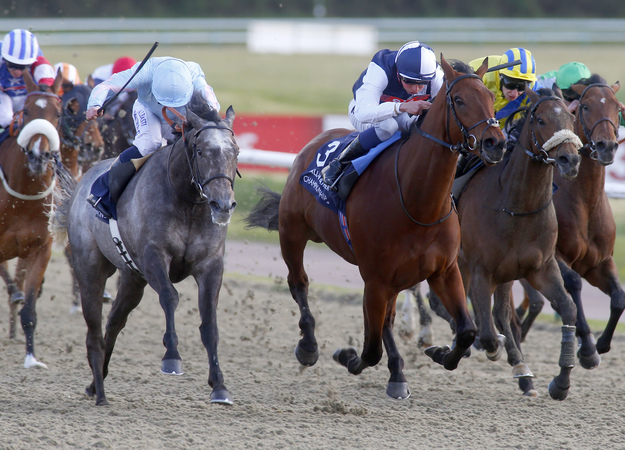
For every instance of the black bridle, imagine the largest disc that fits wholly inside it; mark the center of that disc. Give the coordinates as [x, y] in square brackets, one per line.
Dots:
[192, 159]
[464, 146]
[591, 146]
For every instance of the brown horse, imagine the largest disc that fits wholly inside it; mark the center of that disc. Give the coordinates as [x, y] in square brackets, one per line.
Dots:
[509, 229]
[401, 222]
[586, 227]
[28, 164]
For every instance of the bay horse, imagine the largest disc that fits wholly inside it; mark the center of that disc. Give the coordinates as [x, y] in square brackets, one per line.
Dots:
[586, 227]
[401, 222]
[30, 169]
[509, 230]
[118, 129]
[172, 219]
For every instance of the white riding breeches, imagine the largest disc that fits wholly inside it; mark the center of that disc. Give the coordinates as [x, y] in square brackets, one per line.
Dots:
[8, 105]
[385, 128]
[152, 132]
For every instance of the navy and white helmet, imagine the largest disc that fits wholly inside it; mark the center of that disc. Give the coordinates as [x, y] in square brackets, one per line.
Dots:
[20, 47]
[416, 61]
[172, 84]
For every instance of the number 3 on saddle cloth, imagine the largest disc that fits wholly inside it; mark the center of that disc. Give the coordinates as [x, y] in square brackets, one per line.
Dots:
[312, 180]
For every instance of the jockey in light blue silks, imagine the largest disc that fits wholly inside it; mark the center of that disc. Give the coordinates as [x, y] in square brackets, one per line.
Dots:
[163, 81]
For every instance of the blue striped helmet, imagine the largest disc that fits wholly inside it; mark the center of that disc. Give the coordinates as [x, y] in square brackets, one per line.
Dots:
[20, 47]
[524, 71]
[416, 61]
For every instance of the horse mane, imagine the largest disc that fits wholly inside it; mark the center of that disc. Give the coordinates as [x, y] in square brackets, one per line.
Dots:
[203, 108]
[460, 66]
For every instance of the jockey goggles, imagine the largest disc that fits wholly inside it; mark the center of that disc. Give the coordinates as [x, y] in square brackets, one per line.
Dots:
[11, 65]
[412, 80]
[512, 83]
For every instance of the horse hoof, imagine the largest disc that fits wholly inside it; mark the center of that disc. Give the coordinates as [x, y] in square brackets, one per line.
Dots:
[102, 402]
[438, 353]
[531, 393]
[221, 396]
[398, 390]
[107, 297]
[31, 362]
[75, 309]
[521, 370]
[171, 367]
[590, 361]
[17, 297]
[556, 392]
[306, 358]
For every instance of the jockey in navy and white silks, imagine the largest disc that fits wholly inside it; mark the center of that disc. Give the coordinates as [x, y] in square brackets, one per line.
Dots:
[162, 81]
[389, 96]
[152, 129]
[20, 52]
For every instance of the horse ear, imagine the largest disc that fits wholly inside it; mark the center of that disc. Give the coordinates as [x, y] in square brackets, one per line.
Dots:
[483, 68]
[450, 73]
[556, 89]
[193, 119]
[90, 81]
[57, 82]
[31, 86]
[578, 88]
[616, 86]
[229, 116]
[533, 96]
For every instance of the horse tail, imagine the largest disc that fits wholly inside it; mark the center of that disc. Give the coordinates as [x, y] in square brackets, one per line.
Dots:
[265, 213]
[57, 215]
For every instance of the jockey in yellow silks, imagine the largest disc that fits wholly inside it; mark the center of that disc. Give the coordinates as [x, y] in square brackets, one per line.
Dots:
[509, 84]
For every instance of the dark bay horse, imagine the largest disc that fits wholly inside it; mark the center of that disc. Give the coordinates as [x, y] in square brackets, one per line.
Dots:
[586, 227]
[401, 222]
[172, 219]
[509, 229]
[29, 165]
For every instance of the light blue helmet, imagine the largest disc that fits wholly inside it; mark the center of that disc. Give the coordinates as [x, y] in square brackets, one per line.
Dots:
[20, 47]
[172, 84]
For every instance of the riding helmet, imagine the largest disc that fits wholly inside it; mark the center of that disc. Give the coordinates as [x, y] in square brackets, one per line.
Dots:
[571, 73]
[526, 70]
[172, 84]
[20, 47]
[416, 61]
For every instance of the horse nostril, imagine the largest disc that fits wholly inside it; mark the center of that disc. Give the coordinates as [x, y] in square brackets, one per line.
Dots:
[215, 206]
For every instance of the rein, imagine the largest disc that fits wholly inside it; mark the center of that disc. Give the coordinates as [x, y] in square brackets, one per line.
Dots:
[591, 147]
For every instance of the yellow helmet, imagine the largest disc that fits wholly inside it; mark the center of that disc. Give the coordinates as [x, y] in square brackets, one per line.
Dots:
[524, 71]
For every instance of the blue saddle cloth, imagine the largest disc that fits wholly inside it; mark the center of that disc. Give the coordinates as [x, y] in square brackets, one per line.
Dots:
[312, 180]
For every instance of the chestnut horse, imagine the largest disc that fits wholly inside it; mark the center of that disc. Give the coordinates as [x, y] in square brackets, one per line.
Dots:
[401, 222]
[509, 230]
[586, 227]
[30, 165]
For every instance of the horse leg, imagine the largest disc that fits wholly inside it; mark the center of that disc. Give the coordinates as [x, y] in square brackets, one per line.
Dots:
[75, 288]
[449, 288]
[549, 282]
[426, 337]
[587, 352]
[502, 313]
[397, 386]
[37, 262]
[605, 277]
[16, 296]
[209, 286]
[375, 310]
[306, 351]
[481, 292]
[535, 303]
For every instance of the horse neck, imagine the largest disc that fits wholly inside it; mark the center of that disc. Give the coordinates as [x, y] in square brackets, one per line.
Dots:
[590, 181]
[525, 184]
[426, 172]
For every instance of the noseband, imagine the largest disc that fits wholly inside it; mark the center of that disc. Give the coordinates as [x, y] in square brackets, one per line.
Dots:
[466, 145]
[559, 138]
[588, 133]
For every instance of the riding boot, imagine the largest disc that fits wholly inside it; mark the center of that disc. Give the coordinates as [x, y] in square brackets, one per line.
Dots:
[108, 187]
[332, 171]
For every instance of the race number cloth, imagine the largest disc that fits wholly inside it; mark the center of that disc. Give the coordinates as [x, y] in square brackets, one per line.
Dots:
[312, 180]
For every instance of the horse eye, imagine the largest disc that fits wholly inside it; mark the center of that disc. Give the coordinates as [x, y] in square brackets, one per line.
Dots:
[199, 152]
[540, 121]
[458, 101]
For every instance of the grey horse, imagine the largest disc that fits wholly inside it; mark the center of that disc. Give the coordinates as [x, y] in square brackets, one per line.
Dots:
[172, 219]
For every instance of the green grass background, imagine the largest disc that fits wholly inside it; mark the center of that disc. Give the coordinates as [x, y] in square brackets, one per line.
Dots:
[321, 84]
